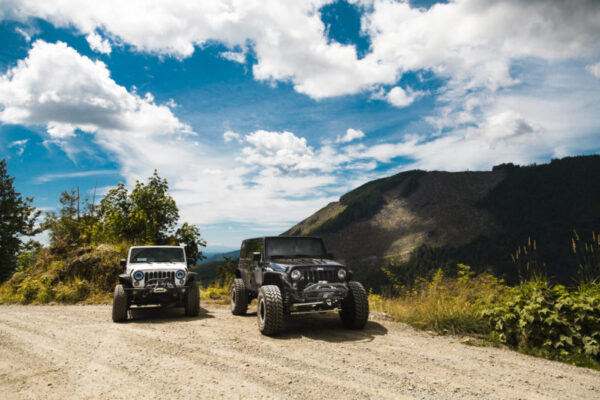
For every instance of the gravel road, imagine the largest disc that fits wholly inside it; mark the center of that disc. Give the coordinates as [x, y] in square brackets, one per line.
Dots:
[64, 352]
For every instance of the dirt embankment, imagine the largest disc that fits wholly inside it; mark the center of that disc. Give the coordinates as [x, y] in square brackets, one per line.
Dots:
[63, 352]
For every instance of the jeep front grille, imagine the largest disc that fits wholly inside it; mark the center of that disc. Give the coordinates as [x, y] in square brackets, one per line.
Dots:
[316, 275]
[170, 275]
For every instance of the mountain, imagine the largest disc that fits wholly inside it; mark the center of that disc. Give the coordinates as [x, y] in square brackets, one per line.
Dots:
[220, 256]
[512, 220]
[207, 269]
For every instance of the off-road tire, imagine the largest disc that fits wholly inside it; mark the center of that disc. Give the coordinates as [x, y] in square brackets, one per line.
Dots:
[269, 311]
[192, 300]
[120, 305]
[239, 297]
[355, 307]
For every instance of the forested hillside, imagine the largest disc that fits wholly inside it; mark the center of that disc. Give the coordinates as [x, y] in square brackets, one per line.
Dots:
[513, 221]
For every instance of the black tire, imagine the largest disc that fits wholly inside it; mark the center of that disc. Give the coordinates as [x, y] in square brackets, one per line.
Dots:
[120, 305]
[239, 297]
[192, 300]
[270, 310]
[355, 307]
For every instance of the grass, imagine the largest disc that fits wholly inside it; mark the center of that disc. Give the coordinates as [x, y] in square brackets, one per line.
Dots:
[215, 293]
[445, 305]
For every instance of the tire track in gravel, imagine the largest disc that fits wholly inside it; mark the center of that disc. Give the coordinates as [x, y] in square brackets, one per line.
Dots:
[67, 352]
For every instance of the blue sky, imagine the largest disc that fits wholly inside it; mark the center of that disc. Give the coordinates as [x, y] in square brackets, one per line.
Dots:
[261, 112]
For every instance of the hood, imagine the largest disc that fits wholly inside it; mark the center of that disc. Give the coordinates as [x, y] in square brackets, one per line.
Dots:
[287, 263]
[156, 266]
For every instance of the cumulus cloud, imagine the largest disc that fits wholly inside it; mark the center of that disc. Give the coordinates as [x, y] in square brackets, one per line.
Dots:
[57, 87]
[505, 125]
[280, 149]
[351, 134]
[97, 43]
[594, 69]
[402, 98]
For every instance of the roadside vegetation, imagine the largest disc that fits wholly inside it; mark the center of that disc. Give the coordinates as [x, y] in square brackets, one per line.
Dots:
[535, 317]
[86, 241]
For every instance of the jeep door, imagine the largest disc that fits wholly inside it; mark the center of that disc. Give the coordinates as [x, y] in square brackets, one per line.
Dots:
[244, 264]
[256, 246]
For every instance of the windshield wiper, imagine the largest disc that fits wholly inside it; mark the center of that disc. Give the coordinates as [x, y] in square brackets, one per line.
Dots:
[278, 256]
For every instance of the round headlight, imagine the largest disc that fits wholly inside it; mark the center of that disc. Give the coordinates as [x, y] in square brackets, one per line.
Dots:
[342, 274]
[296, 274]
[138, 275]
[180, 274]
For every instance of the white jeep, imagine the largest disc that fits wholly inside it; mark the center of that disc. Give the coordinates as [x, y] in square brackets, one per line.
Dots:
[156, 275]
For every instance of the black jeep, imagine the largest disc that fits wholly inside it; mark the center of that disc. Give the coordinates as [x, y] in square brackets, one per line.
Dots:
[295, 275]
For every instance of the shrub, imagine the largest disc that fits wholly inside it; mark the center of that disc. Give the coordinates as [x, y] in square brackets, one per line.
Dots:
[539, 315]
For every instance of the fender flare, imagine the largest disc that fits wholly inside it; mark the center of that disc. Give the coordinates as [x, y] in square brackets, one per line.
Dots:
[275, 278]
[192, 276]
[125, 279]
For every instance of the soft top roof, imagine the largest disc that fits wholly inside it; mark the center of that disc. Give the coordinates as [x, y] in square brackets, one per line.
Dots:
[283, 237]
[173, 247]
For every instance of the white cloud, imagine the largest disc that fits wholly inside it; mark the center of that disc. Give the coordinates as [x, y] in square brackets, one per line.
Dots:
[228, 136]
[57, 87]
[280, 149]
[27, 32]
[351, 134]
[19, 145]
[97, 43]
[402, 98]
[67, 175]
[472, 41]
[594, 69]
[504, 125]
[238, 57]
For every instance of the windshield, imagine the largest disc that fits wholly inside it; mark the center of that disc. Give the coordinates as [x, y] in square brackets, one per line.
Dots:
[295, 247]
[156, 254]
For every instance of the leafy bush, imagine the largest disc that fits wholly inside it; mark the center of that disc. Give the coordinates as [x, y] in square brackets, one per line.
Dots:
[549, 317]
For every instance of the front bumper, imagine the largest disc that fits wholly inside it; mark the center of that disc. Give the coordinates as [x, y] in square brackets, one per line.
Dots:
[156, 292]
[318, 296]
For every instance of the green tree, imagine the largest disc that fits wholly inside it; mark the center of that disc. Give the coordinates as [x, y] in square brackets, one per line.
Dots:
[189, 235]
[147, 215]
[154, 212]
[17, 219]
[226, 271]
[72, 226]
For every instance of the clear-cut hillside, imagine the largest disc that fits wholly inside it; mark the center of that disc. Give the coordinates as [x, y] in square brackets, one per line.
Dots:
[417, 221]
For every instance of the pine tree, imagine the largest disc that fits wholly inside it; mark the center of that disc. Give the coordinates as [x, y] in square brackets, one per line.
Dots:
[17, 219]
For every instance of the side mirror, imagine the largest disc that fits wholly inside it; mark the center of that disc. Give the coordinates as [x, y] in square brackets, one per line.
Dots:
[191, 262]
[256, 256]
[330, 256]
[123, 262]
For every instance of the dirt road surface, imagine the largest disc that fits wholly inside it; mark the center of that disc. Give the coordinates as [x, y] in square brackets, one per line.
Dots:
[64, 352]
